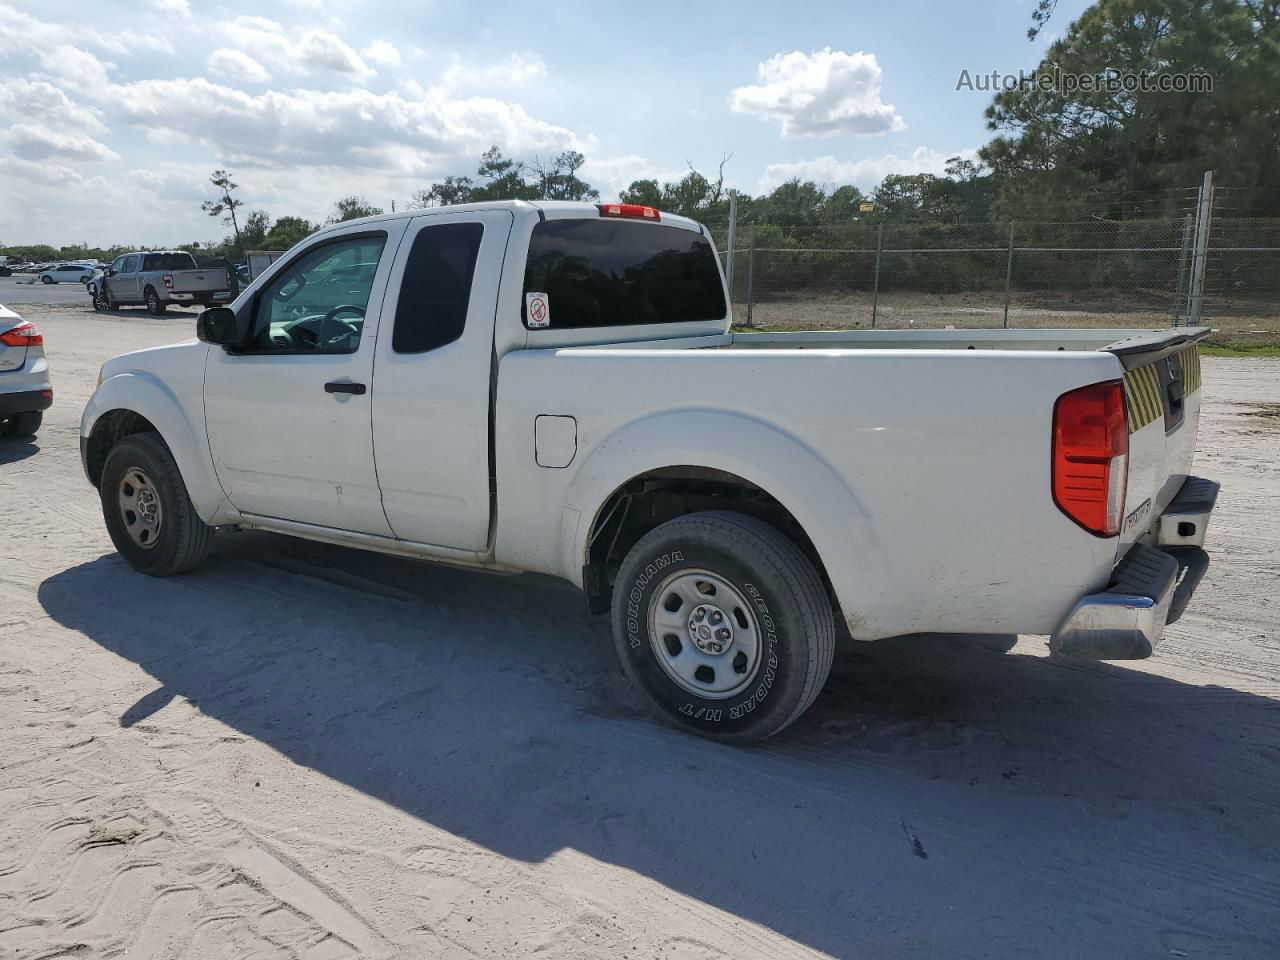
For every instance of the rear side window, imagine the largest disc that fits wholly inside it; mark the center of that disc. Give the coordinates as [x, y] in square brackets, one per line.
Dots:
[168, 261]
[607, 273]
[436, 289]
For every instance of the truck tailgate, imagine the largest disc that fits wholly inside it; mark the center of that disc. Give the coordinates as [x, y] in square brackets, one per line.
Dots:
[197, 281]
[1162, 404]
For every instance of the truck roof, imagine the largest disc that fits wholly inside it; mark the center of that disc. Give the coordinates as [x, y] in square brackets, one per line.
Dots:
[550, 209]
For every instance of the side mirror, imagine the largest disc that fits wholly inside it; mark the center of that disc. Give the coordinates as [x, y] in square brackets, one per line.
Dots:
[221, 325]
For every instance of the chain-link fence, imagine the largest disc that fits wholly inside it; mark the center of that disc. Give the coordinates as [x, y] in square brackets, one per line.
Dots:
[1088, 272]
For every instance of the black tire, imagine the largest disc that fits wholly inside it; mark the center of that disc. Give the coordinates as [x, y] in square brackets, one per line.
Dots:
[100, 301]
[46, 279]
[792, 615]
[155, 306]
[183, 538]
[21, 424]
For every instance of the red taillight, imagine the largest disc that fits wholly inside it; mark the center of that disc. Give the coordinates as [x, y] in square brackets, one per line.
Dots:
[1091, 456]
[637, 210]
[24, 334]
[168, 281]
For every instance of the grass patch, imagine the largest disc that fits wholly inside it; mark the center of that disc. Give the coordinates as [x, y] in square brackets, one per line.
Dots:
[1220, 347]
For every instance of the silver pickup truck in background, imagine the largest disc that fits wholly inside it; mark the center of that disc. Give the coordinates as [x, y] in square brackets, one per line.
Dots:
[158, 278]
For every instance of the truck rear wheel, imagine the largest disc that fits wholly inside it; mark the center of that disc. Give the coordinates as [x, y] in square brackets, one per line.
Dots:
[155, 306]
[724, 625]
[148, 513]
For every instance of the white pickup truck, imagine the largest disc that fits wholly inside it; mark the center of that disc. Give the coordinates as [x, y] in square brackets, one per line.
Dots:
[554, 387]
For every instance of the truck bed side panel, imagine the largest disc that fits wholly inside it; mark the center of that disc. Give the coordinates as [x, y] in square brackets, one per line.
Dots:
[941, 459]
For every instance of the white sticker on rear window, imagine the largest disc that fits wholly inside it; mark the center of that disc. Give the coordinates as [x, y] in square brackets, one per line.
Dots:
[537, 310]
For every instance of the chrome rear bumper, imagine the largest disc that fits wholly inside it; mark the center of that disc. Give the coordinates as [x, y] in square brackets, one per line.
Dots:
[1127, 620]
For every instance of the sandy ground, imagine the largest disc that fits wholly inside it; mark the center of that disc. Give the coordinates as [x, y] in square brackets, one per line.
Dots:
[301, 751]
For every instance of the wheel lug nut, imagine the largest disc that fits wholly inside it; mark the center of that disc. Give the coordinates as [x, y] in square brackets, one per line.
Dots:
[722, 633]
[717, 616]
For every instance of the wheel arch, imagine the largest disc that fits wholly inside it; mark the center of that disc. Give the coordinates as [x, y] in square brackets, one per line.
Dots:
[132, 403]
[693, 460]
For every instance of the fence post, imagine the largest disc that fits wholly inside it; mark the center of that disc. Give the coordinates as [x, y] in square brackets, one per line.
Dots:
[1204, 214]
[1178, 298]
[733, 233]
[875, 285]
[751, 274]
[1008, 275]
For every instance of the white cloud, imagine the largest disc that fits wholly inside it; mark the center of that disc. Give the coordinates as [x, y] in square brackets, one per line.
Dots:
[309, 52]
[36, 142]
[820, 94]
[612, 175]
[382, 53]
[77, 68]
[517, 70]
[23, 98]
[864, 173]
[324, 49]
[172, 8]
[237, 65]
[21, 33]
[352, 128]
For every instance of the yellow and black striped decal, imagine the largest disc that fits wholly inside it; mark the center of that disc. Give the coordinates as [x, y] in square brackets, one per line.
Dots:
[1142, 388]
[1142, 396]
[1189, 357]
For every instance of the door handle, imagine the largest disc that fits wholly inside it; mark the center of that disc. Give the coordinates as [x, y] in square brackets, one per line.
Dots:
[344, 386]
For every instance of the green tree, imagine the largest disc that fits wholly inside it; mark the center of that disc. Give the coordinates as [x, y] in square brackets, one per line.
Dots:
[842, 204]
[352, 208]
[288, 231]
[225, 206]
[1056, 146]
[559, 180]
[502, 179]
[254, 231]
[646, 192]
[450, 191]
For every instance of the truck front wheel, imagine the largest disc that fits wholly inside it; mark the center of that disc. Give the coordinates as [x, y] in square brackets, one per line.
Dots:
[155, 306]
[724, 625]
[148, 513]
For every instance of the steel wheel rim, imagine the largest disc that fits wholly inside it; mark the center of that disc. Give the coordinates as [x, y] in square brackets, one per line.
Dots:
[140, 508]
[704, 634]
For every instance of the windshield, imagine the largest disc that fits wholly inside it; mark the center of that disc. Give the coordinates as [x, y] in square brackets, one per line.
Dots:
[600, 273]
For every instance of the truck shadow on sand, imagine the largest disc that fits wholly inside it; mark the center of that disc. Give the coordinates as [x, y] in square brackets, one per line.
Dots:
[943, 798]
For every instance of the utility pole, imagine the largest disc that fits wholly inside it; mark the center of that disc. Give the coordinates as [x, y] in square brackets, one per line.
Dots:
[1008, 276]
[733, 234]
[875, 284]
[1204, 214]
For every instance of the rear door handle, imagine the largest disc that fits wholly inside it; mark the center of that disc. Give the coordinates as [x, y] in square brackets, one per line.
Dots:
[344, 386]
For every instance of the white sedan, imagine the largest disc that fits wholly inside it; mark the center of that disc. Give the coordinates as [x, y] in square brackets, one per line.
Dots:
[66, 273]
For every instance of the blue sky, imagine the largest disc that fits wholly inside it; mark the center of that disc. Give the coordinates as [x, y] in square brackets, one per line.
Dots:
[111, 123]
